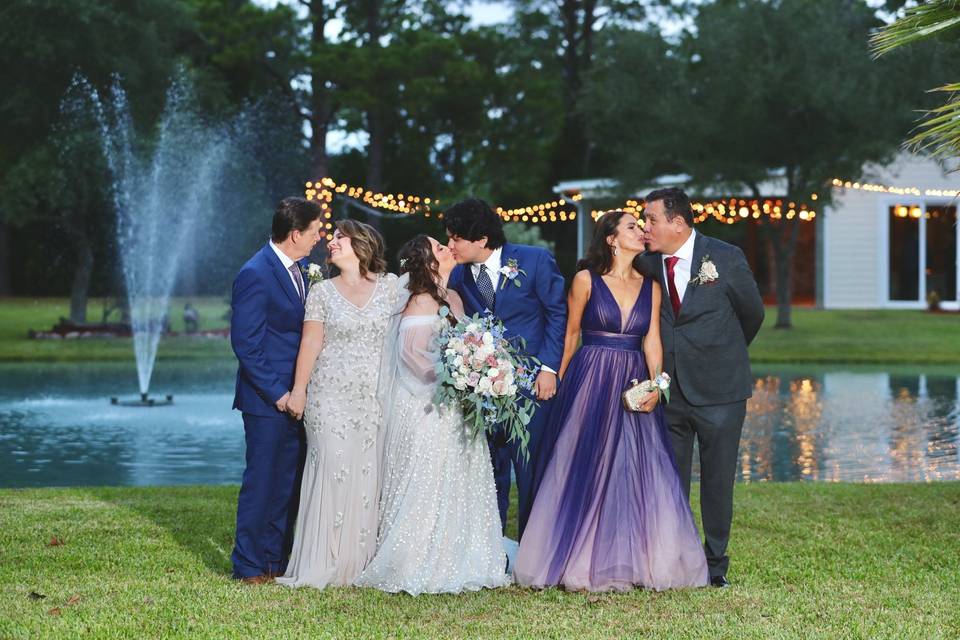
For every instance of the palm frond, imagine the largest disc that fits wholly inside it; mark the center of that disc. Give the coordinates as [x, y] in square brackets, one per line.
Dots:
[918, 23]
[939, 133]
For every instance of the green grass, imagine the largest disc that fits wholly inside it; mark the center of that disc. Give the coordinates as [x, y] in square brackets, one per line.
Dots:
[808, 561]
[848, 337]
[18, 315]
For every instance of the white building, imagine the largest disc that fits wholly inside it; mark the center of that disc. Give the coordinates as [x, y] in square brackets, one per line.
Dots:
[892, 242]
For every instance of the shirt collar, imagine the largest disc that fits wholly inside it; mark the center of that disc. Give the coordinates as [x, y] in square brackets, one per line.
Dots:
[284, 258]
[492, 262]
[685, 252]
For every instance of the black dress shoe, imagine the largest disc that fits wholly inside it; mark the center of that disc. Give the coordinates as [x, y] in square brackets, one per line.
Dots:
[719, 582]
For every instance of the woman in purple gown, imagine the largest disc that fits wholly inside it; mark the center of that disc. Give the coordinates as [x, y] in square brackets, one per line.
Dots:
[610, 513]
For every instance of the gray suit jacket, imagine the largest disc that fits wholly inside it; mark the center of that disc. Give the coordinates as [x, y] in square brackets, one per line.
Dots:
[705, 348]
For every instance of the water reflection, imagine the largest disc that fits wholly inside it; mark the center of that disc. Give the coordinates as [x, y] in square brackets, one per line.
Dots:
[828, 424]
[852, 426]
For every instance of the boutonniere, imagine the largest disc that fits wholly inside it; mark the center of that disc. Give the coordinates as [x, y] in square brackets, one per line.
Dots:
[511, 272]
[313, 272]
[707, 273]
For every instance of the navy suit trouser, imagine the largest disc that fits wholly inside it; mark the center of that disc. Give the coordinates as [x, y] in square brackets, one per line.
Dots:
[506, 455]
[269, 496]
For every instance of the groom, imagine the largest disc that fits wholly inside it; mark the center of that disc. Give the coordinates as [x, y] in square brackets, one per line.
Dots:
[268, 306]
[486, 278]
[711, 311]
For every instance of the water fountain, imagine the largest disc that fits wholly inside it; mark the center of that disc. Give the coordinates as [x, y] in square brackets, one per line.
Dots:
[164, 197]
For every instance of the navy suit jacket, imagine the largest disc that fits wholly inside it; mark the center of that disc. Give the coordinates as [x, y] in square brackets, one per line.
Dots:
[266, 324]
[535, 311]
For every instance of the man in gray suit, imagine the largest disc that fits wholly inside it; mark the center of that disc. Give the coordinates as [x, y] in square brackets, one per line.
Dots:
[711, 311]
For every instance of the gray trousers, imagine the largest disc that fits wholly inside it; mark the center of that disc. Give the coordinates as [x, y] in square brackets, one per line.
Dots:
[717, 428]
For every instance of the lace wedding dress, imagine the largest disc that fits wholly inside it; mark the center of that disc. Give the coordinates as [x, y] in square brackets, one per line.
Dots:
[439, 525]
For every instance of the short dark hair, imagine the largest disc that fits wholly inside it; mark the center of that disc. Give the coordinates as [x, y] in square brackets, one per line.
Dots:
[293, 213]
[473, 219]
[675, 203]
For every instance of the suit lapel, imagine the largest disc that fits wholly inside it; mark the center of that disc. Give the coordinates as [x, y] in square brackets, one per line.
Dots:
[699, 251]
[504, 286]
[282, 275]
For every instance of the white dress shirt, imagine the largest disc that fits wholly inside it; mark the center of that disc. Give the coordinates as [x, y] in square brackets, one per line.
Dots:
[681, 270]
[287, 263]
[493, 264]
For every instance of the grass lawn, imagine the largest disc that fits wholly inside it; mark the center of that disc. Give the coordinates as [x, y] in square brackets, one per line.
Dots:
[847, 337]
[809, 561]
[851, 337]
[18, 315]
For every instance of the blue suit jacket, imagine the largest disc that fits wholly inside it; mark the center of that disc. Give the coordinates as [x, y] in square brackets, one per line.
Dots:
[535, 311]
[266, 324]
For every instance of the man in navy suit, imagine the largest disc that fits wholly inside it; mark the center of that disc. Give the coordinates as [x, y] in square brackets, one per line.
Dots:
[267, 319]
[486, 278]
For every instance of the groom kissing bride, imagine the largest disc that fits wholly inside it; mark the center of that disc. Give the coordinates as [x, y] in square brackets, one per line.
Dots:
[394, 495]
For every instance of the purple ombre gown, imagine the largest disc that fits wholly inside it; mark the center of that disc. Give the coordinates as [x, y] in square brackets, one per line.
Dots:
[610, 513]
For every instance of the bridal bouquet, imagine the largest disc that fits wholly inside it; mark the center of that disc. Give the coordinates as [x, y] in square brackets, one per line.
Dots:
[484, 374]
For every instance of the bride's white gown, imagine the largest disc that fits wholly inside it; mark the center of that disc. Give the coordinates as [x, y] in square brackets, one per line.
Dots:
[439, 529]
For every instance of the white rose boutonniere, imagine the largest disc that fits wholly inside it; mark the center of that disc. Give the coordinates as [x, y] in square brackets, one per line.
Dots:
[707, 273]
[314, 273]
[511, 272]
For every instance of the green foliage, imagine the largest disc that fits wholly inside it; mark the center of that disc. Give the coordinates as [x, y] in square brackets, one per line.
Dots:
[940, 132]
[520, 233]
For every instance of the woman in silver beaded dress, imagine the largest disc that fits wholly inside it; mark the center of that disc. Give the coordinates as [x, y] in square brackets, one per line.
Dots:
[439, 523]
[335, 390]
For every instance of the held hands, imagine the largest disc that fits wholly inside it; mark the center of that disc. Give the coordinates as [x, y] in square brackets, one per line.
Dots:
[297, 403]
[545, 386]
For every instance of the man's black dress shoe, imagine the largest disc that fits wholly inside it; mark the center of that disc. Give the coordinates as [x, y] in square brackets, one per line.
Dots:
[719, 581]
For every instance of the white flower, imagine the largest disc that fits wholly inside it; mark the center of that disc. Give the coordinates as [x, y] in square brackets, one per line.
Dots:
[493, 372]
[708, 271]
[487, 338]
[485, 385]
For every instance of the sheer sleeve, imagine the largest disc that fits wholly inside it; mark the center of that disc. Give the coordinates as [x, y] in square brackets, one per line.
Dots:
[418, 351]
[314, 309]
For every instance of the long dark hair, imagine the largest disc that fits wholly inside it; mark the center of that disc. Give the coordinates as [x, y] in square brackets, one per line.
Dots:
[417, 259]
[599, 258]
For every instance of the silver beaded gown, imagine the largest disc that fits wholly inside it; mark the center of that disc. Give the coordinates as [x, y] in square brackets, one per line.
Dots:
[439, 524]
[336, 530]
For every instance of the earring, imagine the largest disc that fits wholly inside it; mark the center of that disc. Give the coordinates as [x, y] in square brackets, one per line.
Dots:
[616, 250]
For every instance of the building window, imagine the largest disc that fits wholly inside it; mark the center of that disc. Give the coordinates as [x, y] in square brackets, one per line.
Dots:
[941, 268]
[904, 248]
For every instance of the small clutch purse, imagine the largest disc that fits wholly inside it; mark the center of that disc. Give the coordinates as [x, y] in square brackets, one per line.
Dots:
[635, 393]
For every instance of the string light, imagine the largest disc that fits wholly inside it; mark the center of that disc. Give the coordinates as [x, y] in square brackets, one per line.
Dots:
[728, 211]
[899, 191]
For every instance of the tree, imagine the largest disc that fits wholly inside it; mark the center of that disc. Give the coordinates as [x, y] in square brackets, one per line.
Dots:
[940, 132]
[779, 89]
[50, 176]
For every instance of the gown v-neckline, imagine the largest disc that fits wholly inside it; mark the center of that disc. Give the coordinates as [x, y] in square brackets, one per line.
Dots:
[624, 321]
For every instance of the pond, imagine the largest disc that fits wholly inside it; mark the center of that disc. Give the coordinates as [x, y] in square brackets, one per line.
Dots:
[57, 427]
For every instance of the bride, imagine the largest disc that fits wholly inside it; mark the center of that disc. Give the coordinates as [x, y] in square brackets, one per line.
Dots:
[439, 529]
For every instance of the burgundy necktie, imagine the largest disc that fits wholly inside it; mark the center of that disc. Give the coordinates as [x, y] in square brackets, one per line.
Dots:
[674, 296]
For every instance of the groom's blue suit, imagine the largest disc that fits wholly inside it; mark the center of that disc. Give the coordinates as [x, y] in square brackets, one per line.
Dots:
[266, 324]
[537, 312]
